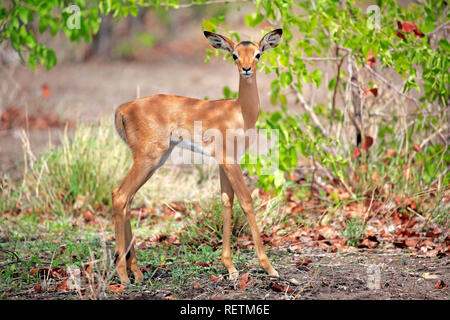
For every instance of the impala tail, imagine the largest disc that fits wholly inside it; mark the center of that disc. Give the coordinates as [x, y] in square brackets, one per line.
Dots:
[119, 122]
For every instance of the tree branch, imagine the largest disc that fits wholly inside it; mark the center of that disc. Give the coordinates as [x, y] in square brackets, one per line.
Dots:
[310, 111]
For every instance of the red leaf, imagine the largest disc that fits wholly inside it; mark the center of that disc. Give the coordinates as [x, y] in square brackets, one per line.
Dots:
[417, 147]
[356, 153]
[441, 285]
[37, 288]
[369, 91]
[116, 288]
[368, 142]
[418, 33]
[46, 93]
[400, 35]
[408, 27]
[371, 60]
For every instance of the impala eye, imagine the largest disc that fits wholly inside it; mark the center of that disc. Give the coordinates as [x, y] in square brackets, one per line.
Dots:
[257, 56]
[235, 56]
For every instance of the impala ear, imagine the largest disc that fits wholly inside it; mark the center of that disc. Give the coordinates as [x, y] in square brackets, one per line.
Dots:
[219, 42]
[270, 40]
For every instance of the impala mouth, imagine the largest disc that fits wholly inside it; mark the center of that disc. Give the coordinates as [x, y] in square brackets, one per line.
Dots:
[246, 74]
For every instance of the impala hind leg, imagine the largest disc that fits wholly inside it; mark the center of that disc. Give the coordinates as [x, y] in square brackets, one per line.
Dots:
[132, 260]
[122, 196]
[236, 179]
[227, 196]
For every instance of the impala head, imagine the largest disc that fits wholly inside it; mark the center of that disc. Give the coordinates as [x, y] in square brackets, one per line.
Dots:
[245, 53]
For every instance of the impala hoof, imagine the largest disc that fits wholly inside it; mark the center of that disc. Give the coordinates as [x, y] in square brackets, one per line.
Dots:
[138, 276]
[273, 273]
[124, 279]
[234, 275]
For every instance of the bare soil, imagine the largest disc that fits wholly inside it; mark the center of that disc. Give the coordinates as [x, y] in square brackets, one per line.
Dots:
[342, 276]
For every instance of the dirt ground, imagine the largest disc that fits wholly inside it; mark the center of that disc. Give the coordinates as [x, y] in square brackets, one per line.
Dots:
[353, 275]
[333, 277]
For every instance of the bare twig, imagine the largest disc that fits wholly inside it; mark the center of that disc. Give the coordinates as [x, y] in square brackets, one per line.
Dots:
[12, 262]
[389, 84]
[310, 111]
[444, 25]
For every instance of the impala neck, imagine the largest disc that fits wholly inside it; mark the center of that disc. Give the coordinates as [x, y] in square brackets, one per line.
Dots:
[249, 100]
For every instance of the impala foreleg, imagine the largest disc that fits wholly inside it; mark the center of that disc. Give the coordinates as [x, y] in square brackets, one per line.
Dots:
[236, 179]
[227, 197]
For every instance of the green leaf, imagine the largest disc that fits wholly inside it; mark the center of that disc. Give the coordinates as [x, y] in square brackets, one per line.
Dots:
[285, 79]
[253, 19]
[134, 11]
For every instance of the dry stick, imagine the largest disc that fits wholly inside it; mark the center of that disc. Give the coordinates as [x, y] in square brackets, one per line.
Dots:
[370, 207]
[438, 132]
[358, 101]
[444, 25]
[309, 282]
[382, 79]
[338, 78]
[310, 111]
[316, 121]
[12, 262]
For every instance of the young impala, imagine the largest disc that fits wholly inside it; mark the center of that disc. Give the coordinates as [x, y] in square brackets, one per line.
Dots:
[149, 127]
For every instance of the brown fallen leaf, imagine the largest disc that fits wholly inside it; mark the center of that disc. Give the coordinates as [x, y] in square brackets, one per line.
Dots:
[244, 282]
[37, 288]
[40, 271]
[277, 287]
[88, 216]
[411, 242]
[203, 264]
[116, 288]
[303, 263]
[213, 278]
[57, 273]
[63, 286]
[391, 153]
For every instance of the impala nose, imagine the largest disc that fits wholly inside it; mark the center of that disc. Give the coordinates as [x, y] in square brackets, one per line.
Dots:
[246, 69]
